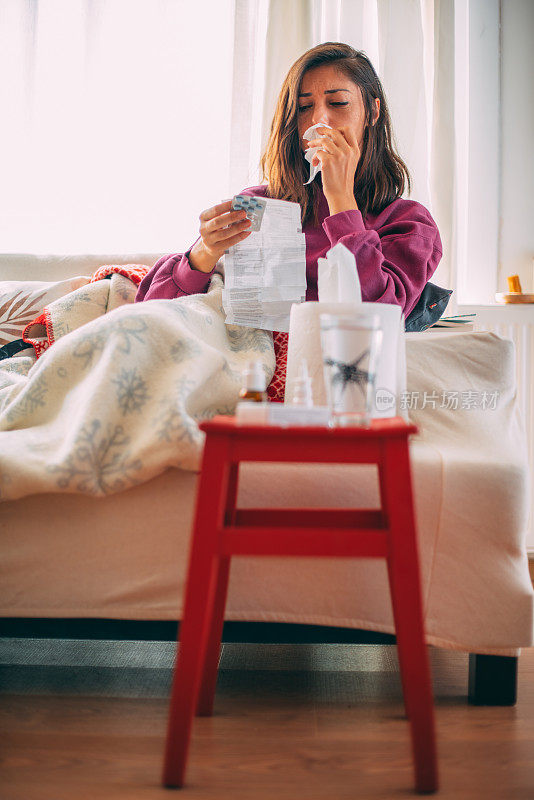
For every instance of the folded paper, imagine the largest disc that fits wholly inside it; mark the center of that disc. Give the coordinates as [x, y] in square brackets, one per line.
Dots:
[266, 272]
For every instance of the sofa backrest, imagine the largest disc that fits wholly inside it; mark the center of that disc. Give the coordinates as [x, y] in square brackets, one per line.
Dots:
[31, 267]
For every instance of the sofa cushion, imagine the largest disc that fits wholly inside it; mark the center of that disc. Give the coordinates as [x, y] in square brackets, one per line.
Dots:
[22, 301]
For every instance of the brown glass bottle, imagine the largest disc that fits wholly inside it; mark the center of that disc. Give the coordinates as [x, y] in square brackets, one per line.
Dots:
[253, 390]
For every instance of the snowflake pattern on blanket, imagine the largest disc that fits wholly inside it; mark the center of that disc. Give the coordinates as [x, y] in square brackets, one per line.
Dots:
[117, 399]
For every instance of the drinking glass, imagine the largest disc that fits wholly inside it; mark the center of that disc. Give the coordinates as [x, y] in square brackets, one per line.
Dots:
[351, 349]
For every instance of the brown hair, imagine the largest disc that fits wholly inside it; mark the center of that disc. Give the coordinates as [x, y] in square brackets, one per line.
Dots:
[381, 175]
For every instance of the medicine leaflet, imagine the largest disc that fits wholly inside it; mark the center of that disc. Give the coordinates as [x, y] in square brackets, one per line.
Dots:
[266, 273]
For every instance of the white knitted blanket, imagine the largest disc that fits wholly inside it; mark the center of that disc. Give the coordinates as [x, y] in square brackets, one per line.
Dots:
[117, 398]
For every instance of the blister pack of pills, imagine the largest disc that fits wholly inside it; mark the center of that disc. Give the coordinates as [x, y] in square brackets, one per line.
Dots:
[254, 206]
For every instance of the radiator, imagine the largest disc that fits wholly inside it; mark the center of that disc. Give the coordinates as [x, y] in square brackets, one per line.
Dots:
[522, 334]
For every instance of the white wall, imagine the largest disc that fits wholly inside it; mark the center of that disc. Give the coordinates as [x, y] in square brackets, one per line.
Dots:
[516, 250]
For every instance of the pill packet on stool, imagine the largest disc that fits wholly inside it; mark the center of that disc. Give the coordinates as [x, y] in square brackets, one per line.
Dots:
[254, 206]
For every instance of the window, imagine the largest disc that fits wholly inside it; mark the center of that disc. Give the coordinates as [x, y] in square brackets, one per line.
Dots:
[116, 123]
[494, 113]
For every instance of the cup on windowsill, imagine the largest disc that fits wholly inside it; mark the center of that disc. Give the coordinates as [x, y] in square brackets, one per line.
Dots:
[351, 349]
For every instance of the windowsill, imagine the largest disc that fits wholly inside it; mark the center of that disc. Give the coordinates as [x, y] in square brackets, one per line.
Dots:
[495, 305]
[496, 312]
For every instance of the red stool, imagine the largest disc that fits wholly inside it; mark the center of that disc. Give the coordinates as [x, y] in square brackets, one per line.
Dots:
[221, 531]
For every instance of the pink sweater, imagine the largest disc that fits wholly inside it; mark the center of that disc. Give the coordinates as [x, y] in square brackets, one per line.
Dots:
[396, 253]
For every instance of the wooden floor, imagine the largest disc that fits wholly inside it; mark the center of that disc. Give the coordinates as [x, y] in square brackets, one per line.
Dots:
[276, 735]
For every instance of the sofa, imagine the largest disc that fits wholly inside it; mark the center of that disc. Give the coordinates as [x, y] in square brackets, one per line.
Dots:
[123, 556]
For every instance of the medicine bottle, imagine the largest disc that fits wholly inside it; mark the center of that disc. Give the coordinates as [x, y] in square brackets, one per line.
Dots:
[253, 383]
[302, 387]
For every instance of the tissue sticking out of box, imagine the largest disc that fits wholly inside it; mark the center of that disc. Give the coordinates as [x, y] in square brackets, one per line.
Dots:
[337, 277]
[311, 133]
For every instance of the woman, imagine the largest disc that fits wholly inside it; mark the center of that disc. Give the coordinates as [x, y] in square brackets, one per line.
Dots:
[355, 199]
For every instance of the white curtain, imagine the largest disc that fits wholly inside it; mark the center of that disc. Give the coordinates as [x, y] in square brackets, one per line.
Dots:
[115, 127]
[411, 45]
[124, 119]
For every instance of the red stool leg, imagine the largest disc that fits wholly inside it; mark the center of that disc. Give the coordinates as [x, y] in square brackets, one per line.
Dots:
[406, 598]
[386, 510]
[211, 665]
[208, 683]
[200, 598]
[400, 655]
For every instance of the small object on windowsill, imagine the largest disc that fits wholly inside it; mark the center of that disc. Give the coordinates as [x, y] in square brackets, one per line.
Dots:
[514, 284]
[514, 297]
[515, 293]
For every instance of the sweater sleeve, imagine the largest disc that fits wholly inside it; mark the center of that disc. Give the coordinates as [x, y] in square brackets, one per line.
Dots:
[172, 276]
[396, 260]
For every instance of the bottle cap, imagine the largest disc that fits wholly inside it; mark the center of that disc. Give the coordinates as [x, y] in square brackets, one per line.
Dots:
[254, 377]
[302, 386]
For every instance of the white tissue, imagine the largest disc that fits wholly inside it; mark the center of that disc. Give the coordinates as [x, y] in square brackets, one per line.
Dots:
[310, 133]
[337, 277]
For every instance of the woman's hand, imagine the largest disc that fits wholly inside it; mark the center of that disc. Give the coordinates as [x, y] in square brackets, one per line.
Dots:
[220, 228]
[339, 156]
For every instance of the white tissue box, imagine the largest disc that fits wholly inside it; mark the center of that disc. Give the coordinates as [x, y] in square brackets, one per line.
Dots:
[305, 342]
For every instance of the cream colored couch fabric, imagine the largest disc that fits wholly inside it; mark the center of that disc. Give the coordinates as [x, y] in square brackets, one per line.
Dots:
[124, 556]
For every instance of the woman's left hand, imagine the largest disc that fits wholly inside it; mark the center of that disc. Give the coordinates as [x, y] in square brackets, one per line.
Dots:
[339, 156]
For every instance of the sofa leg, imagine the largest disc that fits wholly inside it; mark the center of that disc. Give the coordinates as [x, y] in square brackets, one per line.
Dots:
[492, 680]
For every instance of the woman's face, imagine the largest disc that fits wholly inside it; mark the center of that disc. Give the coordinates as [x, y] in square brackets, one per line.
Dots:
[327, 95]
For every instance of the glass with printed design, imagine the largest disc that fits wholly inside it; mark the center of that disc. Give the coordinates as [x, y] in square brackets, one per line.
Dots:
[351, 348]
